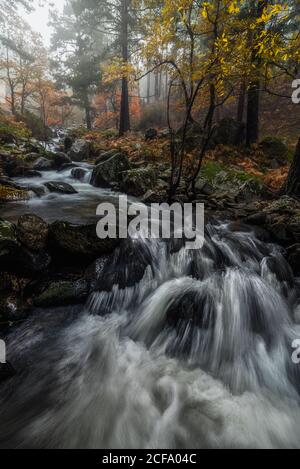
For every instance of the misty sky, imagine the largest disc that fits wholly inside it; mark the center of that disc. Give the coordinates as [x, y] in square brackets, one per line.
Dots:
[39, 18]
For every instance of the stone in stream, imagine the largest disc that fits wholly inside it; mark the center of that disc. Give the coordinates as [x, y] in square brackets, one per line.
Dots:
[16, 258]
[61, 159]
[60, 187]
[125, 267]
[62, 293]
[80, 150]
[43, 164]
[79, 173]
[192, 307]
[78, 242]
[31, 173]
[6, 372]
[110, 171]
[9, 193]
[32, 232]
[106, 155]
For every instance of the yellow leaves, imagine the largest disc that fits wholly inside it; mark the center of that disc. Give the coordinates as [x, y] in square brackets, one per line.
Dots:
[116, 70]
[233, 8]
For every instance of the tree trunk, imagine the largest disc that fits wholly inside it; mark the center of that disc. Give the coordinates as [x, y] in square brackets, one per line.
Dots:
[253, 113]
[124, 111]
[148, 87]
[88, 117]
[292, 184]
[241, 103]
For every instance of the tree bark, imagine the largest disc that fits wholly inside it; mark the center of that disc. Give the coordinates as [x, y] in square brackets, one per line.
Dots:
[292, 184]
[253, 109]
[124, 111]
[241, 103]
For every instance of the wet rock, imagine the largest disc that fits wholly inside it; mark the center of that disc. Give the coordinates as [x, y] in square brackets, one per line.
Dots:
[32, 232]
[68, 142]
[13, 308]
[31, 173]
[16, 258]
[43, 164]
[110, 171]
[293, 253]
[32, 157]
[62, 293]
[259, 219]
[197, 308]
[12, 194]
[281, 269]
[79, 242]
[79, 173]
[6, 372]
[60, 187]
[61, 159]
[106, 155]
[80, 150]
[138, 181]
[66, 167]
[39, 191]
[126, 267]
[151, 134]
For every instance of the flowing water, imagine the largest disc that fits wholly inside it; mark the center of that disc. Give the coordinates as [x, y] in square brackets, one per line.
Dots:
[197, 354]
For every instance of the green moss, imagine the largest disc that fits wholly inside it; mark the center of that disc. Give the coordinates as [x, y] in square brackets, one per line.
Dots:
[210, 170]
[10, 194]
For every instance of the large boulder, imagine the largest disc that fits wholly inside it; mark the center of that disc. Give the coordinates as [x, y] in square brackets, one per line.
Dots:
[106, 155]
[275, 150]
[138, 181]
[43, 164]
[125, 267]
[229, 132]
[80, 150]
[61, 159]
[79, 242]
[12, 194]
[79, 173]
[110, 171]
[60, 187]
[32, 232]
[16, 258]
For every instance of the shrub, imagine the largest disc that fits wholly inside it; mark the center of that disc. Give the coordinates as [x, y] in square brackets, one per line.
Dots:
[35, 124]
[10, 130]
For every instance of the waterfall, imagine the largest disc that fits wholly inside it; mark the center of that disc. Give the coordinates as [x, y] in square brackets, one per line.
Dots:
[194, 352]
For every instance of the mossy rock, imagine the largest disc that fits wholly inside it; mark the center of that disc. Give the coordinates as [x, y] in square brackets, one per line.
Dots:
[10, 194]
[275, 148]
[138, 181]
[78, 242]
[62, 293]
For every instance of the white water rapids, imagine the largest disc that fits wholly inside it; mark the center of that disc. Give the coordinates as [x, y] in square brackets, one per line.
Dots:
[196, 355]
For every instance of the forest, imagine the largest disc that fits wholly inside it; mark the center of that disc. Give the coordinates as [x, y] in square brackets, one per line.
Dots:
[141, 342]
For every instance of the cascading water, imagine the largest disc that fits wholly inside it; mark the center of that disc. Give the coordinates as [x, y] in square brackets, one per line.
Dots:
[196, 354]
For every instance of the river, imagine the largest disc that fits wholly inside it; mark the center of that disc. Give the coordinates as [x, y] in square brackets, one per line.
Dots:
[198, 354]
